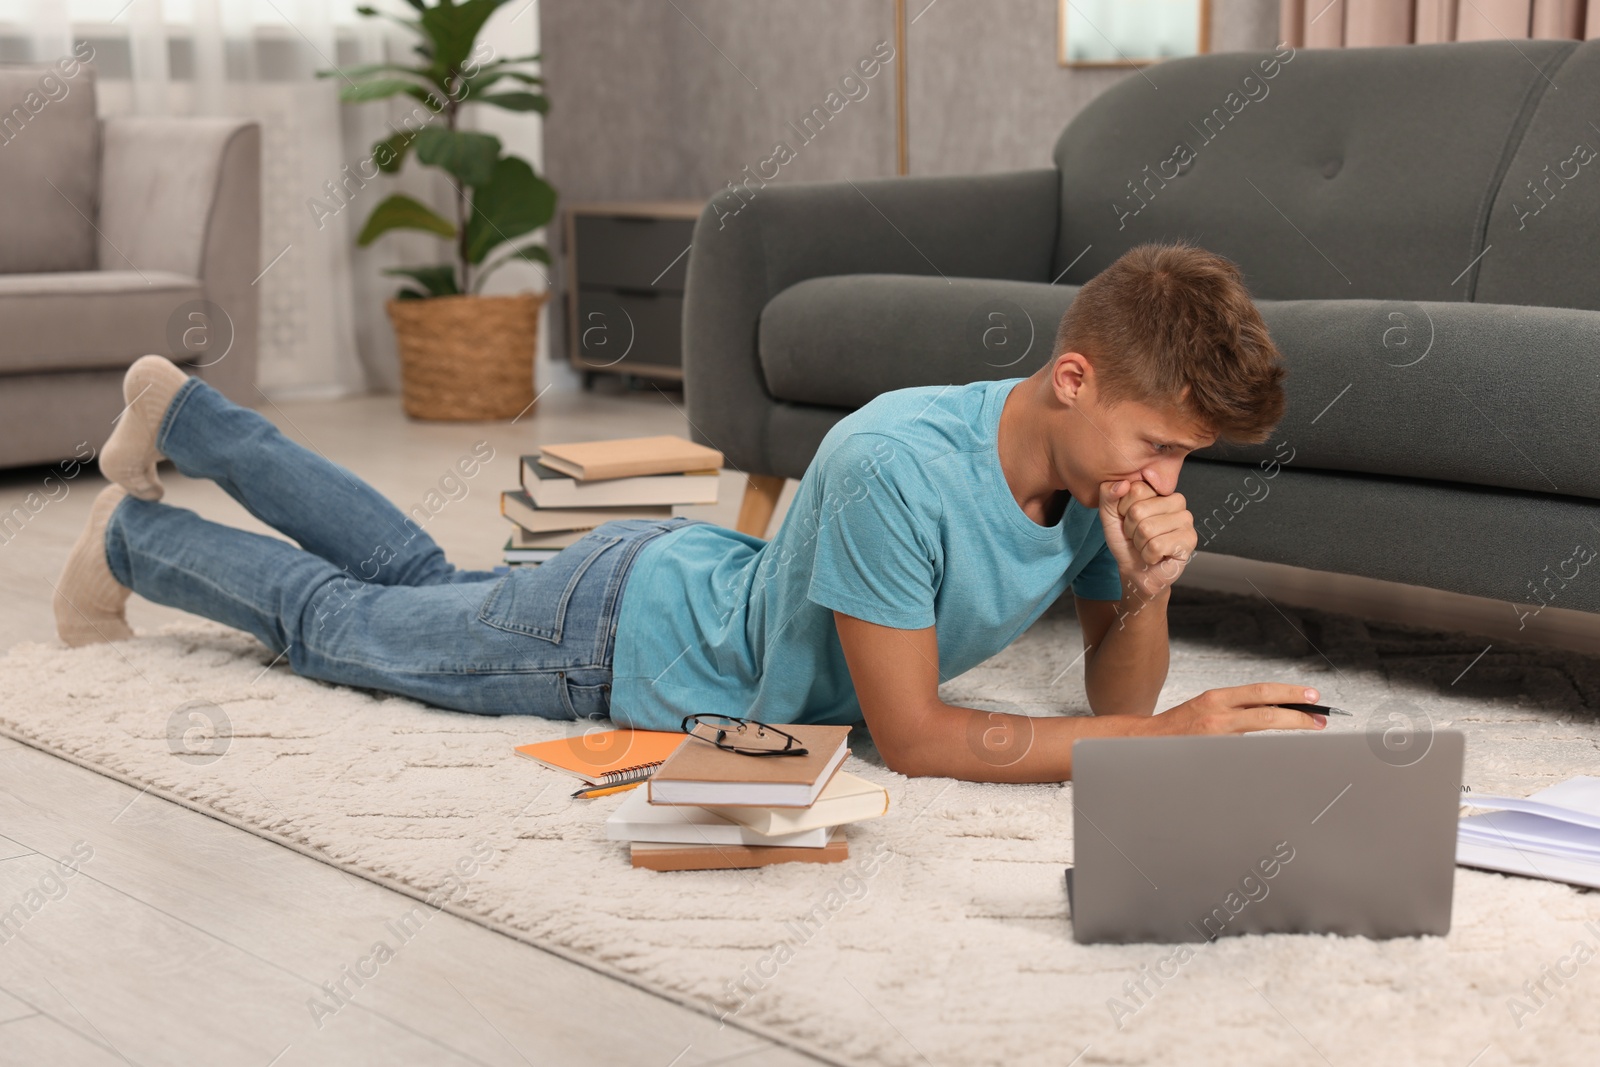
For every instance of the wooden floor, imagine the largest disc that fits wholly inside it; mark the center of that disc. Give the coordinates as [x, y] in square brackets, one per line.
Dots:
[183, 940]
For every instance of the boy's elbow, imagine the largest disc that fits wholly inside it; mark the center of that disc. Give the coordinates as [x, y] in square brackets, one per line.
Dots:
[912, 737]
[909, 759]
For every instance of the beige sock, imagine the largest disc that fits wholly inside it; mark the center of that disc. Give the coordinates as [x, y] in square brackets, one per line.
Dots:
[130, 456]
[89, 602]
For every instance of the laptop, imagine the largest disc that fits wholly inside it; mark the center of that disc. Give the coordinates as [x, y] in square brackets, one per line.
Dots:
[1195, 838]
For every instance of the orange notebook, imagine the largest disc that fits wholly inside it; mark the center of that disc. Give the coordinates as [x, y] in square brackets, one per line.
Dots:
[605, 757]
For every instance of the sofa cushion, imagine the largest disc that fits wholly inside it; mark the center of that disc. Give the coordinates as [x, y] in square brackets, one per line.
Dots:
[156, 216]
[1484, 542]
[1486, 394]
[1348, 172]
[1541, 246]
[77, 320]
[842, 340]
[49, 167]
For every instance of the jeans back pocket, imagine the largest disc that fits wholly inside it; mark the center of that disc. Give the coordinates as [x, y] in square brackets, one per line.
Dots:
[545, 601]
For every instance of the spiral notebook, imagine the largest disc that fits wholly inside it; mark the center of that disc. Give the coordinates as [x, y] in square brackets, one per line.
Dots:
[606, 757]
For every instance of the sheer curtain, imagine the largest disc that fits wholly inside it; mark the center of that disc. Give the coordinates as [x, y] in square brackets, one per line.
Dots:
[1363, 23]
[254, 59]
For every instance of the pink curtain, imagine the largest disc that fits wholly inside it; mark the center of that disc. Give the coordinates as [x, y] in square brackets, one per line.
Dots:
[1364, 23]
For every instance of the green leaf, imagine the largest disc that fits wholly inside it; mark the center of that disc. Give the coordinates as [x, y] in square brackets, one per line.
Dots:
[379, 89]
[531, 253]
[402, 213]
[469, 156]
[453, 28]
[511, 59]
[436, 281]
[514, 202]
[498, 67]
[517, 101]
[477, 85]
[390, 153]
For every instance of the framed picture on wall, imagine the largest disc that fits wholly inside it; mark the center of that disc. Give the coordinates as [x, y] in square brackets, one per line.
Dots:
[1130, 33]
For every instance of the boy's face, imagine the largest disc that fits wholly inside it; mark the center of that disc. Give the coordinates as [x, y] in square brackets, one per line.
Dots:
[1100, 442]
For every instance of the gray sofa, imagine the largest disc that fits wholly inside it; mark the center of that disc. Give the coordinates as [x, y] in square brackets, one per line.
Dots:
[117, 239]
[1419, 230]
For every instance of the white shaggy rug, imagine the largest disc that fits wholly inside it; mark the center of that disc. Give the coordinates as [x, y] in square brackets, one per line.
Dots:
[945, 939]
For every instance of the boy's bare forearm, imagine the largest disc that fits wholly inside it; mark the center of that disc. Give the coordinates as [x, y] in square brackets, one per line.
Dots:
[991, 746]
[1124, 675]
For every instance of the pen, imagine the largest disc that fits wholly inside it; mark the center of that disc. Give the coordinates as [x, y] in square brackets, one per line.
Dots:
[589, 792]
[1316, 709]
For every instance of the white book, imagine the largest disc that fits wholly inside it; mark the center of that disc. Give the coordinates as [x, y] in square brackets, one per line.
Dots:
[519, 507]
[636, 819]
[846, 798]
[1528, 862]
[549, 488]
[1554, 834]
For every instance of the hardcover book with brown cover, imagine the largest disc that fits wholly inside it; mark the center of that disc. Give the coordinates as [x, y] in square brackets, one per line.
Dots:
[633, 457]
[701, 773]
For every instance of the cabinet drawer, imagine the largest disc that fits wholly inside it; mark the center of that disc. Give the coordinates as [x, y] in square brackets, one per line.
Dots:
[631, 252]
[615, 329]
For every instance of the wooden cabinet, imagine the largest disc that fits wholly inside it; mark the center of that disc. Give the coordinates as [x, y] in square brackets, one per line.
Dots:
[626, 267]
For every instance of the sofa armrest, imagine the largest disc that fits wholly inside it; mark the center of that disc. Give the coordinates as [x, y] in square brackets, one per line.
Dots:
[748, 248]
[184, 195]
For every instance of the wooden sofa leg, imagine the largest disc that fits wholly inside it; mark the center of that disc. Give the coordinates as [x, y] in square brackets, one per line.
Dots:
[761, 492]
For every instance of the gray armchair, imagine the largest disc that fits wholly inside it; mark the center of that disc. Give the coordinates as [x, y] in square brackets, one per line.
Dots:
[117, 239]
[1414, 222]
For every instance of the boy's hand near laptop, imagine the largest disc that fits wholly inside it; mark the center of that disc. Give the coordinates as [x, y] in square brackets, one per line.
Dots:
[896, 678]
[1152, 537]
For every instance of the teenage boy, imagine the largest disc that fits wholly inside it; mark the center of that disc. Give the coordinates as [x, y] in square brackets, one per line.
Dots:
[932, 528]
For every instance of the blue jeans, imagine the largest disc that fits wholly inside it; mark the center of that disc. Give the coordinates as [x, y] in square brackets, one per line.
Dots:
[368, 598]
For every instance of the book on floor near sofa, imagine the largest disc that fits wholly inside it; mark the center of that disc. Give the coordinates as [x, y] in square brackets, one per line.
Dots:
[550, 488]
[517, 506]
[521, 538]
[515, 555]
[700, 773]
[632, 457]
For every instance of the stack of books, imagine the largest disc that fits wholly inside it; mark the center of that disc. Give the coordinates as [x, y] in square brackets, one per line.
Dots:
[705, 808]
[568, 490]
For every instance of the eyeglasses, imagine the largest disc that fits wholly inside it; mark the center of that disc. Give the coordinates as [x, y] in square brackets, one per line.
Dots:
[744, 736]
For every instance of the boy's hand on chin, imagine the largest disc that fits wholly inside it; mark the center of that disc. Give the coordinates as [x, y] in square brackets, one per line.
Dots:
[1152, 537]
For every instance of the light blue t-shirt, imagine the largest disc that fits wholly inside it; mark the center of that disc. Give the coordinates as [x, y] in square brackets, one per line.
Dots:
[903, 519]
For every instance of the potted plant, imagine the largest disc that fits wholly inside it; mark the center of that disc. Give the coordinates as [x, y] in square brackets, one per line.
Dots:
[463, 355]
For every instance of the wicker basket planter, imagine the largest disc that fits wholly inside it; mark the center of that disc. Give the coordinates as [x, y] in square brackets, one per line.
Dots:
[467, 358]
